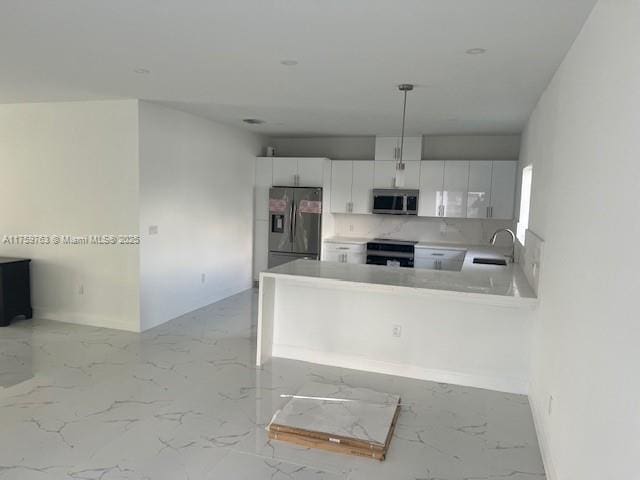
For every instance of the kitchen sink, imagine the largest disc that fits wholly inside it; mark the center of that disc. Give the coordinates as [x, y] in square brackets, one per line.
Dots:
[490, 261]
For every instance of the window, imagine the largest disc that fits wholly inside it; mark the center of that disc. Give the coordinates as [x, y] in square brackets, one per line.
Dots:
[525, 200]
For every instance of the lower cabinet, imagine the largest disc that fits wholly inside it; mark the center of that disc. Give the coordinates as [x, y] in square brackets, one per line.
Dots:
[344, 253]
[439, 259]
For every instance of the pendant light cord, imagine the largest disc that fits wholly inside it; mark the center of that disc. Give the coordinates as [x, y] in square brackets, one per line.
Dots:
[404, 113]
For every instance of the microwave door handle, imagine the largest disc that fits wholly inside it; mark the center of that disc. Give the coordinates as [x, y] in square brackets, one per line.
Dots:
[404, 204]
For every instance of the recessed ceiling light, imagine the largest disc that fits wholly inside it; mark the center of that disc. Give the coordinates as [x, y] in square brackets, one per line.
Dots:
[289, 62]
[476, 51]
[253, 121]
[142, 71]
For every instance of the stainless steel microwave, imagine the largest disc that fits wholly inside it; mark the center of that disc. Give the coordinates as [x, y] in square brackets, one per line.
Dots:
[395, 201]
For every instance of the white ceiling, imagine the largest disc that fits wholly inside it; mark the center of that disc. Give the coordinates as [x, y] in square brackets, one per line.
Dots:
[221, 59]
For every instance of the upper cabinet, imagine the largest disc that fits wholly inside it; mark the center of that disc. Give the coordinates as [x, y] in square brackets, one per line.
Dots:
[361, 197]
[351, 185]
[479, 195]
[454, 191]
[263, 179]
[385, 174]
[491, 189]
[388, 148]
[298, 172]
[431, 183]
[503, 189]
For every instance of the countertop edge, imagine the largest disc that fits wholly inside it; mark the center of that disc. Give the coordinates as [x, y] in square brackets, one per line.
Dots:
[471, 297]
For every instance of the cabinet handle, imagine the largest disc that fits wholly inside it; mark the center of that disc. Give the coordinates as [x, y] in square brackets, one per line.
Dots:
[488, 212]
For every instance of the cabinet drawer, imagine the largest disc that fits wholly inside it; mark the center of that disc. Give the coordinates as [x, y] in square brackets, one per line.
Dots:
[344, 247]
[440, 253]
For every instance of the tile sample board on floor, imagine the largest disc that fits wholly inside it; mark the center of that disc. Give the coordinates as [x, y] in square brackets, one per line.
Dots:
[338, 418]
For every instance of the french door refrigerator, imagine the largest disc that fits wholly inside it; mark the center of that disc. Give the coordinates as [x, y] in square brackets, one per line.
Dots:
[295, 223]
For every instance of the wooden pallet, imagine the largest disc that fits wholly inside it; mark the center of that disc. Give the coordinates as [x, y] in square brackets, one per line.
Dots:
[336, 444]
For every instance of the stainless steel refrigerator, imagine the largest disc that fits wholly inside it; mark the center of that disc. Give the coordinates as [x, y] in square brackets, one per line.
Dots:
[295, 224]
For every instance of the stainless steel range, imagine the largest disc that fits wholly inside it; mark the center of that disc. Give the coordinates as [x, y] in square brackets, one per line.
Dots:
[392, 253]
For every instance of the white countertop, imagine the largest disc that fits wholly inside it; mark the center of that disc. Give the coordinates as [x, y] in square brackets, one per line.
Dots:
[348, 240]
[506, 286]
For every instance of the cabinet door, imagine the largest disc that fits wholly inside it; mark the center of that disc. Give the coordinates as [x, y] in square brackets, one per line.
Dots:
[431, 183]
[412, 149]
[456, 183]
[310, 172]
[503, 188]
[357, 258]
[341, 179]
[479, 195]
[384, 174]
[362, 186]
[285, 171]
[412, 174]
[387, 148]
[264, 173]
[332, 256]
[260, 247]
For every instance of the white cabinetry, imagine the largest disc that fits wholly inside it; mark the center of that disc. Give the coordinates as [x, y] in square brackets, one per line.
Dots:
[263, 179]
[503, 189]
[351, 184]
[341, 180]
[456, 183]
[385, 174]
[431, 183]
[388, 148]
[362, 186]
[435, 258]
[479, 195]
[298, 172]
[310, 172]
[491, 189]
[285, 171]
[345, 252]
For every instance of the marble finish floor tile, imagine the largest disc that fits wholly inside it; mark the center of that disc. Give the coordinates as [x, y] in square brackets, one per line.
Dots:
[185, 401]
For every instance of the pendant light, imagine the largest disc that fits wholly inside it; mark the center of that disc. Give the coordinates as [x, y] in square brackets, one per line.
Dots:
[404, 88]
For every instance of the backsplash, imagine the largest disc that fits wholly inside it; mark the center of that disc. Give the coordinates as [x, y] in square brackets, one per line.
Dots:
[464, 231]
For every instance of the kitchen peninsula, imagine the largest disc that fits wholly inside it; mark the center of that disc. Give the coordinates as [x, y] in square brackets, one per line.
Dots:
[470, 327]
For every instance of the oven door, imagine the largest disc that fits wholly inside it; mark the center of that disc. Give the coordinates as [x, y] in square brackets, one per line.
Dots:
[390, 260]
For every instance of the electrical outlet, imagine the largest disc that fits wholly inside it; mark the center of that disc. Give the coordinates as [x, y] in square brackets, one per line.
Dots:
[397, 330]
[81, 290]
[351, 228]
[153, 229]
[203, 278]
[443, 228]
[550, 405]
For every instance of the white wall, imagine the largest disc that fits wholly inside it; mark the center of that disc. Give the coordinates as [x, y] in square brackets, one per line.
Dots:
[583, 141]
[71, 169]
[434, 147]
[196, 185]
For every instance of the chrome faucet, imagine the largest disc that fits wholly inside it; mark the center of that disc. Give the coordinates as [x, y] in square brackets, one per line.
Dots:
[511, 257]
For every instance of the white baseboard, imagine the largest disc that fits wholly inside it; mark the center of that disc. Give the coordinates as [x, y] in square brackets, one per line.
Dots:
[90, 320]
[543, 440]
[508, 385]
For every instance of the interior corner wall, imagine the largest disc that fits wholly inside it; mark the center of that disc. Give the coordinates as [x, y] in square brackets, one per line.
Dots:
[196, 187]
[71, 168]
[583, 142]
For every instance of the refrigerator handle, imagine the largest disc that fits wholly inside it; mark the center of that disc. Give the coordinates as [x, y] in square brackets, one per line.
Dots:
[293, 220]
